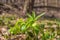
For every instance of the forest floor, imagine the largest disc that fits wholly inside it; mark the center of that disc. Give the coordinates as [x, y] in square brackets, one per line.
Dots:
[6, 21]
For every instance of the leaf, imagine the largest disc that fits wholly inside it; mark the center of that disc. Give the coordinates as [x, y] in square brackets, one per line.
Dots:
[39, 16]
[34, 24]
[14, 30]
[36, 29]
[33, 14]
[11, 30]
[23, 28]
[45, 36]
[52, 35]
[29, 16]
[20, 22]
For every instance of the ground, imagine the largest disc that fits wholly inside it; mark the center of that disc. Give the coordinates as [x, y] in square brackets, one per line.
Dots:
[8, 20]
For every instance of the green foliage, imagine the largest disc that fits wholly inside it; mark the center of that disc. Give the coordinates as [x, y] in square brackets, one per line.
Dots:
[31, 28]
[50, 24]
[46, 35]
[4, 20]
[34, 17]
[27, 26]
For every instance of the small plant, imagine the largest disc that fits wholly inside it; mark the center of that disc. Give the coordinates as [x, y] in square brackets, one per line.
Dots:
[48, 36]
[50, 24]
[4, 19]
[28, 26]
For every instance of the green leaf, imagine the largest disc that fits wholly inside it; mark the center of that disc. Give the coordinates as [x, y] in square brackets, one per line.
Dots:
[33, 14]
[23, 28]
[34, 24]
[14, 30]
[45, 36]
[29, 16]
[11, 30]
[52, 35]
[39, 16]
[36, 29]
[20, 22]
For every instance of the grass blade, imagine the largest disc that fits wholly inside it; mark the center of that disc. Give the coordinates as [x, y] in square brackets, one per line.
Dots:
[39, 16]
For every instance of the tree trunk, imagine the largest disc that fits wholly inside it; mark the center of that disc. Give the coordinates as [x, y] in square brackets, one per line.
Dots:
[25, 7]
[31, 5]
